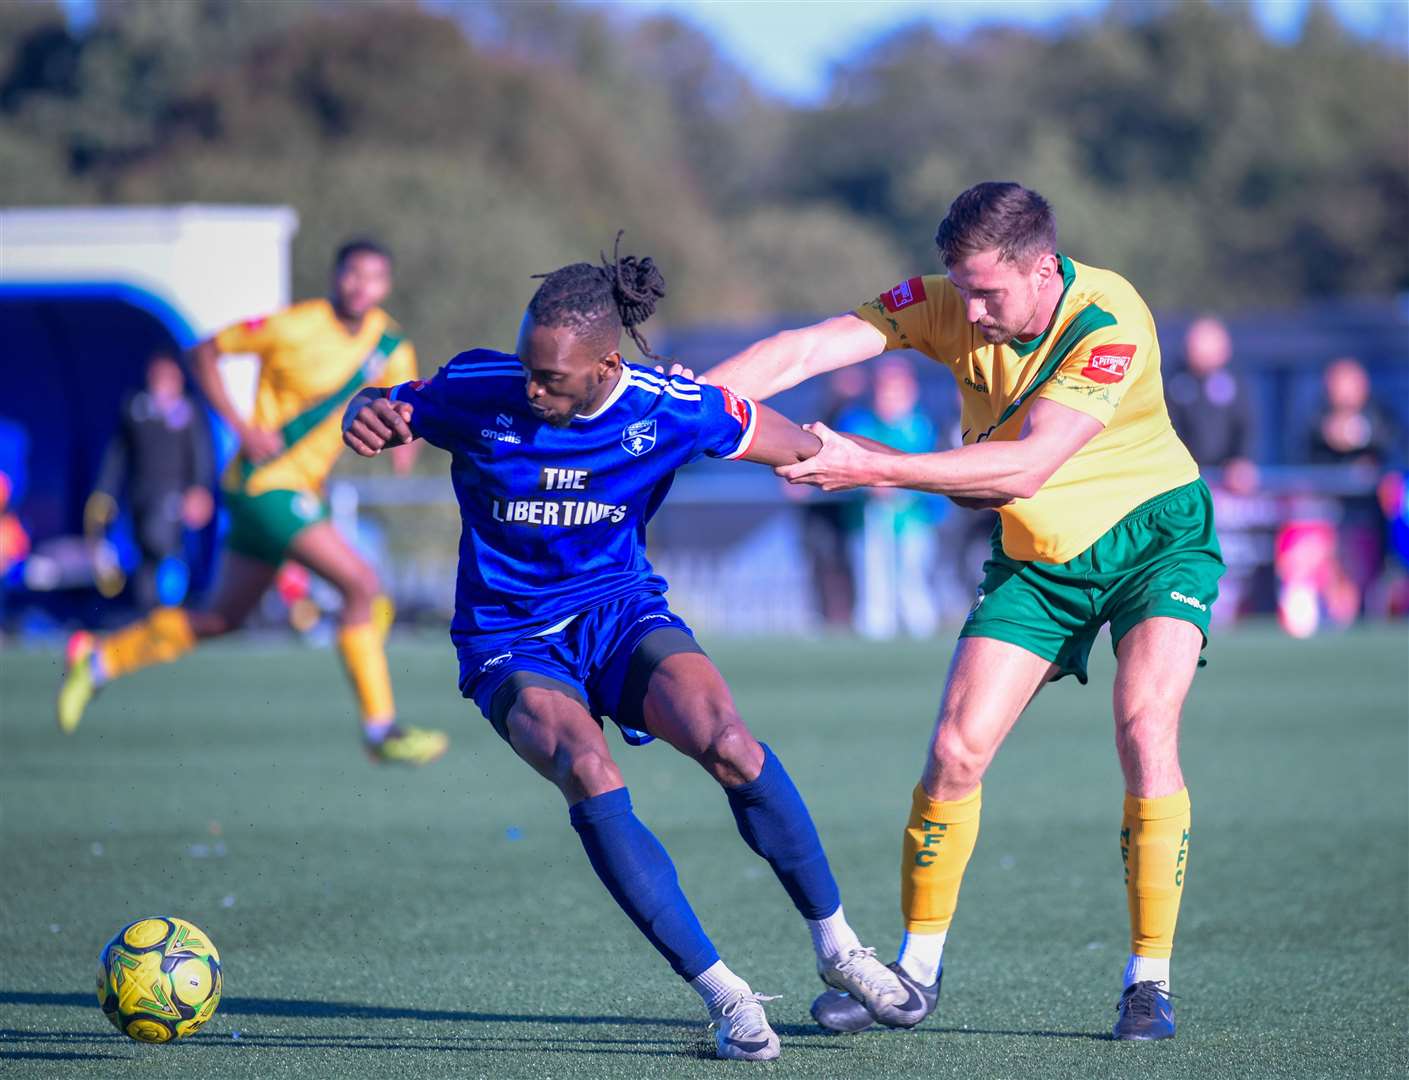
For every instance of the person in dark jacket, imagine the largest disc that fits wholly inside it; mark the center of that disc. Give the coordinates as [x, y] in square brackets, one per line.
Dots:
[1211, 408]
[160, 463]
[1352, 429]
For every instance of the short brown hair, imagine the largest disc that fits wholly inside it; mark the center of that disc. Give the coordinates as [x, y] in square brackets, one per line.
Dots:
[1000, 215]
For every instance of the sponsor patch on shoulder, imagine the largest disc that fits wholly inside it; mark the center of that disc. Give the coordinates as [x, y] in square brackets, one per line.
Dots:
[1109, 363]
[904, 295]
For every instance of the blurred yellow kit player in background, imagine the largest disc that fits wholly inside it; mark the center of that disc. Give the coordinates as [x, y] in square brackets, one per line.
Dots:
[314, 357]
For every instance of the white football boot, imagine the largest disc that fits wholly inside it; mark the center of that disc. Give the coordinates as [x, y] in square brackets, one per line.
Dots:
[873, 985]
[741, 1029]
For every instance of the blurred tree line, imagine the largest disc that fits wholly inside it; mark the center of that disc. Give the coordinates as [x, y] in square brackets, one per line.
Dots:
[487, 142]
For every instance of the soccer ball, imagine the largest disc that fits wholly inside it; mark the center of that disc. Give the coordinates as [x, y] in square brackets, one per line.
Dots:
[159, 979]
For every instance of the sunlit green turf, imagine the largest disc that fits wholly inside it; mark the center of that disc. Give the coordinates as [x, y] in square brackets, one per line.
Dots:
[444, 922]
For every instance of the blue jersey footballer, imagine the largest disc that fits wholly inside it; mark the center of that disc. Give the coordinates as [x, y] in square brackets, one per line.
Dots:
[560, 455]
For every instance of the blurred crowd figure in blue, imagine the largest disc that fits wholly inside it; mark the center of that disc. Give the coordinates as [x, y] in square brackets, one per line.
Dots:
[893, 535]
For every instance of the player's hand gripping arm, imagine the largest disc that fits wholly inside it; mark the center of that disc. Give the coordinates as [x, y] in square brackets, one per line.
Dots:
[776, 363]
[372, 422]
[255, 443]
[966, 501]
[985, 471]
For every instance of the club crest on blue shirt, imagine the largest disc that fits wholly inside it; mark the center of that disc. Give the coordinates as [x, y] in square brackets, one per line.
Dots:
[639, 438]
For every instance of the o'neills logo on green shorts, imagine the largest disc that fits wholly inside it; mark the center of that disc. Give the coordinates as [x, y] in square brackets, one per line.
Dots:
[1192, 601]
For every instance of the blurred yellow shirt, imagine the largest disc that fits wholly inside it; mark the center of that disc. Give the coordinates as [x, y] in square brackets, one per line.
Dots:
[1099, 356]
[310, 367]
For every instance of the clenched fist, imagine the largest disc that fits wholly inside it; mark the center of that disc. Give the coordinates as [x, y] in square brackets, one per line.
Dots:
[378, 424]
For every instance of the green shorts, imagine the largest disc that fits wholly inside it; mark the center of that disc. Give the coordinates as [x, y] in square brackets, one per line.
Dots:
[1162, 558]
[263, 526]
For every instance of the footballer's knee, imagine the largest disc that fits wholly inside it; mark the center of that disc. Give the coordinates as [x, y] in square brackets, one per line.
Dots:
[583, 774]
[956, 763]
[732, 755]
[1150, 724]
[1147, 743]
[358, 593]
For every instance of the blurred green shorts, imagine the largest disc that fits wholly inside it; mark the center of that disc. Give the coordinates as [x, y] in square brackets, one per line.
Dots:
[263, 526]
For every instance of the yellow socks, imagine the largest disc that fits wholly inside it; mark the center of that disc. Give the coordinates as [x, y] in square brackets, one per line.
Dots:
[365, 660]
[939, 839]
[161, 637]
[1154, 845]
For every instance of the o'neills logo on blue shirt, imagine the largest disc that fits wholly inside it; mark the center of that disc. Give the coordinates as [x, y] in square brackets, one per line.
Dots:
[507, 435]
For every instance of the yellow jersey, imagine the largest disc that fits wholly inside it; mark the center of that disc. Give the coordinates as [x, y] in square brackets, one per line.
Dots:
[310, 367]
[1099, 356]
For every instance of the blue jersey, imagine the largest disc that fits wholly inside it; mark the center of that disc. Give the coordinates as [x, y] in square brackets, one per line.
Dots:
[554, 518]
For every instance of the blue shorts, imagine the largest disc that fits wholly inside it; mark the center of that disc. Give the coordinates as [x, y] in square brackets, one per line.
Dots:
[603, 658]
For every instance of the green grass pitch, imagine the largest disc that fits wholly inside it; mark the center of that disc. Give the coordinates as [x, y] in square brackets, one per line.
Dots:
[444, 922]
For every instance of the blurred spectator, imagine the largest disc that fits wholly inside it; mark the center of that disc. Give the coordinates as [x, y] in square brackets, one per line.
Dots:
[1327, 569]
[1351, 428]
[896, 546]
[1210, 407]
[827, 523]
[160, 462]
[1212, 411]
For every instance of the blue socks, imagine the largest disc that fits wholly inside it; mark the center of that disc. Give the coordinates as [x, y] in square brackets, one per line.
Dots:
[641, 878]
[632, 864]
[773, 820]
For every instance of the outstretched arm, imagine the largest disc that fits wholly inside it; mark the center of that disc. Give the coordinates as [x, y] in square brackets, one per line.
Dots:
[776, 363]
[372, 422]
[985, 471]
[778, 441]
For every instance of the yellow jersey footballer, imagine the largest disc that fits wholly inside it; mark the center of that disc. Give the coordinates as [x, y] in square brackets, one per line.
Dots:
[1103, 520]
[314, 357]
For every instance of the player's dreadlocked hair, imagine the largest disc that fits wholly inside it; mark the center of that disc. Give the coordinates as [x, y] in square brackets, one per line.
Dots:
[598, 302]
